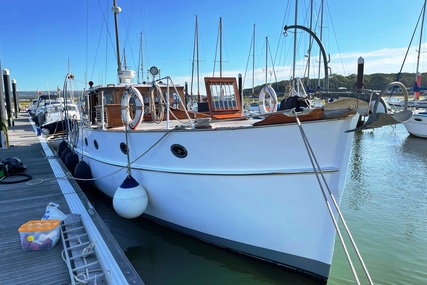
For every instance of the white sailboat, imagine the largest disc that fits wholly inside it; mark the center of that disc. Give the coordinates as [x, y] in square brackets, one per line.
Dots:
[417, 124]
[188, 170]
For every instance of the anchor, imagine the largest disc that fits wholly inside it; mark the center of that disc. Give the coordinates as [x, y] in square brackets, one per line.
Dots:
[377, 120]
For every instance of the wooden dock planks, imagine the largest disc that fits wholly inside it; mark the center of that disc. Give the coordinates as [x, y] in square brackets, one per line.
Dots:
[24, 201]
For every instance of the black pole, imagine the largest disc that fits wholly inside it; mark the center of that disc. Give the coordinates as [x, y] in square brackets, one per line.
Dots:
[360, 65]
[186, 95]
[6, 79]
[240, 89]
[15, 98]
[3, 118]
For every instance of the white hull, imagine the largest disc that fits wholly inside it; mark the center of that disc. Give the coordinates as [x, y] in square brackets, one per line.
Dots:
[54, 118]
[417, 124]
[250, 189]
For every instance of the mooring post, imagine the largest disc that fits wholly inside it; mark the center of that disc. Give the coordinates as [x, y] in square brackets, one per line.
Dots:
[15, 98]
[6, 79]
[4, 139]
[360, 65]
[240, 86]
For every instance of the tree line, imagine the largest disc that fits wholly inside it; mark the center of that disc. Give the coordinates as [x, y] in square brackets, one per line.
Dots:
[376, 81]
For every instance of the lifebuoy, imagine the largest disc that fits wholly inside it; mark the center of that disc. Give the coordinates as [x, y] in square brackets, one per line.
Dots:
[132, 92]
[157, 113]
[267, 89]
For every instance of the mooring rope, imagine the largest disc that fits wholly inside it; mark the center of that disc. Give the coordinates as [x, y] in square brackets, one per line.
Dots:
[318, 171]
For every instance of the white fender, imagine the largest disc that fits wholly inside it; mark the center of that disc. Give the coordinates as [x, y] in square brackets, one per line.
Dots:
[267, 89]
[139, 105]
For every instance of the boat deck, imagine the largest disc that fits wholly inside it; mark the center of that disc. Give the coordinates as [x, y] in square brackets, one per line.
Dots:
[23, 201]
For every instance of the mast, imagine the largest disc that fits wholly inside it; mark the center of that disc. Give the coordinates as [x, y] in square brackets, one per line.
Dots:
[141, 60]
[321, 35]
[266, 58]
[196, 55]
[417, 74]
[197, 60]
[220, 46]
[124, 59]
[116, 11]
[253, 62]
[309, 44]
[219, 38]
[295, 44]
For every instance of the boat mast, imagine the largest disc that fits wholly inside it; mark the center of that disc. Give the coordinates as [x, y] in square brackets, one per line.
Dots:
[266, 58]
[141, 60]
[220, 46]
[419, 44]
[295, 44]
[253, 62]
[310, 43]
[124, 59]
[116, 11]
[321, 37]
[197, 60]
[196, 55]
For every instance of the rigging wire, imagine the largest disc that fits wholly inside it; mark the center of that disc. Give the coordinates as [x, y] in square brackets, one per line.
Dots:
[317, 171]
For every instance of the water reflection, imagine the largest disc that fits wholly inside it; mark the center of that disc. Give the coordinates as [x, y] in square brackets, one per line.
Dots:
[385, 206]
[415, 146]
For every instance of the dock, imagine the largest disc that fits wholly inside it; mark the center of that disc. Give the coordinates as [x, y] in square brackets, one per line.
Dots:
[25, 197]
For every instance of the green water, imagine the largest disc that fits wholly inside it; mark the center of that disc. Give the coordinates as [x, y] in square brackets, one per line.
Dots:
[384, 204]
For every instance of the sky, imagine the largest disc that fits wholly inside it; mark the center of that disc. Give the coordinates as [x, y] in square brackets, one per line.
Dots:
[41, 41]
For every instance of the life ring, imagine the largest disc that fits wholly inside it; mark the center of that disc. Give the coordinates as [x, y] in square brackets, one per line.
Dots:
[157, 113]
[132, 92]
[267, 89]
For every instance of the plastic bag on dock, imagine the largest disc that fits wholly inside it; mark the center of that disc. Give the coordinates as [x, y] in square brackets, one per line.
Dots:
[13, 164]
[53, 213]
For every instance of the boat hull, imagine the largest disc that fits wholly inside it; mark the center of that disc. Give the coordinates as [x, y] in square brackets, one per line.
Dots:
[417, 124]
[249, 189]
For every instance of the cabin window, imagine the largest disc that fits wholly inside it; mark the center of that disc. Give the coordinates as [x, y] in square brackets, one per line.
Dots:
[108, 98]
[223, 96]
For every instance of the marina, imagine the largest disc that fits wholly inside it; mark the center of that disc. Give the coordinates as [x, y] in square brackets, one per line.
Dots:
[304, 181]
[383, 203]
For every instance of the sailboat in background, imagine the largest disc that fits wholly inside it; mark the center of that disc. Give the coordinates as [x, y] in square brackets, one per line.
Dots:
[186, 170]
[267, 97]
[417, 124]
[195, 67]
[61, 113]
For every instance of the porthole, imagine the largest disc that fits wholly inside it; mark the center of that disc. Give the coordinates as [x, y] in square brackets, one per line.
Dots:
[179, 151]
[95, 143]
[124, 148]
